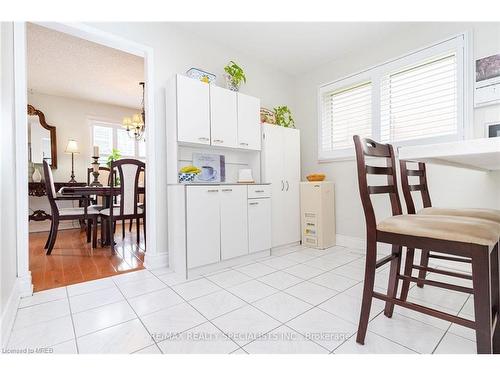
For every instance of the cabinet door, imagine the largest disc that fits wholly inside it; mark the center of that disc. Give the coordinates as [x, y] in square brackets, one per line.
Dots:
[223, 117]
[259, 224]
[291, 149]
[248, 122]
[203, 225]
[273, 173]
[234, 221]
[193, 111]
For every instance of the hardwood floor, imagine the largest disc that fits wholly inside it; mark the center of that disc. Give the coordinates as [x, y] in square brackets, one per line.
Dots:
[71, 260]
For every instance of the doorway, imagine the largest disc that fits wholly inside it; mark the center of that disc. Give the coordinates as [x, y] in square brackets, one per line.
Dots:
[73, 260]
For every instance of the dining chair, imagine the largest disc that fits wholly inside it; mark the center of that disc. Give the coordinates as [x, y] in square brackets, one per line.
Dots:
[141, 198]
[58, 214]
[103, 178]
[128, 172]
[471, 238]
[422, 187]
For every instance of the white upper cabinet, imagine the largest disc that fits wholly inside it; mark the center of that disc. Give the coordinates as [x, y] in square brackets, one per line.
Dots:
[248, 122]
[193, 111]
[223, 117]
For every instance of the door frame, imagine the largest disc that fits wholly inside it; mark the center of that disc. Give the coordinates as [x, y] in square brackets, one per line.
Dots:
[152, 258]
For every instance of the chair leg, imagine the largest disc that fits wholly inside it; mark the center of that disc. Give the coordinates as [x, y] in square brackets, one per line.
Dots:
[392, 287]
[138, 226]
[94, 233]
[481, 281]
[424, 262]
[366, 304]
[144, 227]
[495, 295]
[410, 256]
[130, 225]
[50, 234]
[53, 236]
[112, 227]
[123, 228]
[88, 229]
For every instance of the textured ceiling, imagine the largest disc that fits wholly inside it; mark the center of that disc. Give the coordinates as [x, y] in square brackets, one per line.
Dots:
[64, 65]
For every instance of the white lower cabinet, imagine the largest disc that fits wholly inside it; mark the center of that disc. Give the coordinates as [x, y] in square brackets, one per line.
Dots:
[259, 224]
[223, 223]
[203, 225]
[233, 221]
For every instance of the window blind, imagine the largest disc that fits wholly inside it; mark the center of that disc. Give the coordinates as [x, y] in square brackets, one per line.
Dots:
[420, 101]
[345, 112]
[103, 137]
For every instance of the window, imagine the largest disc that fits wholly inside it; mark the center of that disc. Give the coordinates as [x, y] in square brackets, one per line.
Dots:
[415, 99]
[111, 135]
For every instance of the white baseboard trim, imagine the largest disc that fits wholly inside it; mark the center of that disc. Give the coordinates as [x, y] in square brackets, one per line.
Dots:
[358, 243]
[154, 261]
[352, 242]
[9, 314]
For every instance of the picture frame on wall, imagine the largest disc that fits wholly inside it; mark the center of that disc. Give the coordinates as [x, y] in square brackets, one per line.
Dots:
[493, 129]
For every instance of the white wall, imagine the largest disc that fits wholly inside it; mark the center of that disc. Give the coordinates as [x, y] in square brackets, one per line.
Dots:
[175, 51]
[70, 117]
[8, 264]
[448, 186]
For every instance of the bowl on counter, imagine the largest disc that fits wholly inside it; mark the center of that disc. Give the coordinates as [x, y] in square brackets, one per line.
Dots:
[315, 177]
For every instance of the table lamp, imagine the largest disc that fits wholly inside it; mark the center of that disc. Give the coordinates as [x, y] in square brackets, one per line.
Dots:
[72, 148]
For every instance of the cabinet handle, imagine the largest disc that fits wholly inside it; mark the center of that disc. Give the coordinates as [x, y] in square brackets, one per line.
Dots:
[203, 139]
[253, 203]
[287, 186]
[227, 189]
[243, 144]
[218, 141]
[212, 190]
[282, 185]
[259, 191]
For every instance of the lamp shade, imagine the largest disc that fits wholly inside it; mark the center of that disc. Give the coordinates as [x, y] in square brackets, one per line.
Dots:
[72, 147]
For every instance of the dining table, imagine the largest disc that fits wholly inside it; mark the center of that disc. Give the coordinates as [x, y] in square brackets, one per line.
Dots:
[103, 191]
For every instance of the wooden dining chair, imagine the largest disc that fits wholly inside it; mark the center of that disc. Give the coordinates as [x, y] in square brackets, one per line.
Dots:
[128, 171]
[407, 174]
[142, 197]
[475, 239]
[88, 214]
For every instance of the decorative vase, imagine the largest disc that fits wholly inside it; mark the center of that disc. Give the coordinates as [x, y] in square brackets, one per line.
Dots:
[230, 84]
[37, 177]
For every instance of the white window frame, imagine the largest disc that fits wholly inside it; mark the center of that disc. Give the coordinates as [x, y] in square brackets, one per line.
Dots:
[113, 124]
[460, 43]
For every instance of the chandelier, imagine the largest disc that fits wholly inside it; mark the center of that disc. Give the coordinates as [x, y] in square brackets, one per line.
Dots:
[136, 125]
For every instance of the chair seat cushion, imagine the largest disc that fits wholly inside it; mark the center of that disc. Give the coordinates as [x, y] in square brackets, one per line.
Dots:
[478, 213]
[116, 211]
[77, 211]
[450, 228]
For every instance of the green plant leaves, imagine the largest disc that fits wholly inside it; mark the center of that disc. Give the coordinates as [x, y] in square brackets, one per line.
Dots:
[284, 117]
[236, 72]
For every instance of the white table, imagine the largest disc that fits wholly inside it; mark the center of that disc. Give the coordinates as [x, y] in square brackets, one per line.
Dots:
[480, 154]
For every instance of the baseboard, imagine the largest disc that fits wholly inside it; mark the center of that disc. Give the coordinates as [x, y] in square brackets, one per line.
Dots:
[154, 261]
[9, 314]
[358, 243]
[352, 242]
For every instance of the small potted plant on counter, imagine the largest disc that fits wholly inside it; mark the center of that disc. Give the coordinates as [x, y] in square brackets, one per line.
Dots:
[284, 117]
[235, 75]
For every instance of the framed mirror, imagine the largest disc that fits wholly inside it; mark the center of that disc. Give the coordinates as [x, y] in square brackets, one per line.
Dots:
[42, 142]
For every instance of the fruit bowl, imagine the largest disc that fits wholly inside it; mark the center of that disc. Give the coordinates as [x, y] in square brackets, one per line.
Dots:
[316, 177]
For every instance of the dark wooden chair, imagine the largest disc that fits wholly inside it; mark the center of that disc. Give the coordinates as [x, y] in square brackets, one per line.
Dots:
[141, 198]
[128, 171]
[422, 187]
[470, 238]
[88, 214]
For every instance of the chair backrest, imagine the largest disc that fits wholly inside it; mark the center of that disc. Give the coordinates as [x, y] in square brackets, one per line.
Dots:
[408, 188]
[103, 176]
[128, 171]
[50, 187]
[368, 147]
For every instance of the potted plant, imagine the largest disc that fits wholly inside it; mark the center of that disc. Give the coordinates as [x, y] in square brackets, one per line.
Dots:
[284, 117]
[234, 76]
[115, 155]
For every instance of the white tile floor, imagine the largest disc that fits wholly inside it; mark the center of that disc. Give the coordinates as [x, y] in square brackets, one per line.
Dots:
[299, 300]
